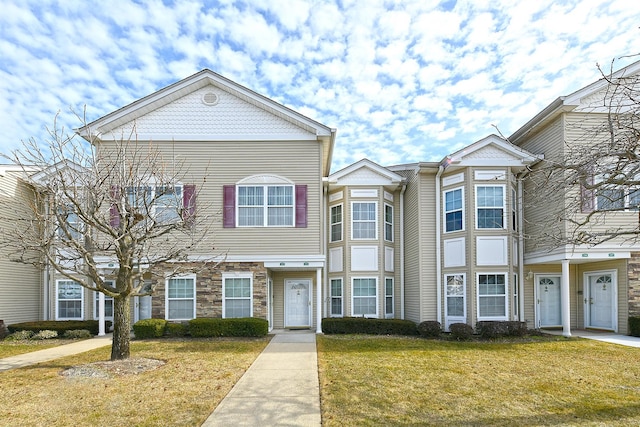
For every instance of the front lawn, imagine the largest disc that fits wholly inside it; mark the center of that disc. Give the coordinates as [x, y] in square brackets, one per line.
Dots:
[197, 374]
[13, 348]
[410, 381]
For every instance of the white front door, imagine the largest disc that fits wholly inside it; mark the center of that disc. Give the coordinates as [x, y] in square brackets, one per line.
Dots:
[297, 310]
[549, 308]
[600, 307]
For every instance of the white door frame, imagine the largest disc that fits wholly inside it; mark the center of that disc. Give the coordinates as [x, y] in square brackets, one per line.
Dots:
[536, 296]
[310, 302]
[614, 298]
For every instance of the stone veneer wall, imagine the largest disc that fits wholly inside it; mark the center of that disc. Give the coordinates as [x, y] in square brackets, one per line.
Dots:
[209, 289]
[633, 271]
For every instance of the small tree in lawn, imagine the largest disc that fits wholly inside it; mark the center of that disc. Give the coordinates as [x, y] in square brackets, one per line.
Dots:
[105, 211]
[590, 184]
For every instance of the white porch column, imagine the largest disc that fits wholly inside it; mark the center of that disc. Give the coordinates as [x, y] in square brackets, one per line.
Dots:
[318, 300]
[101, 314]
[564, 299]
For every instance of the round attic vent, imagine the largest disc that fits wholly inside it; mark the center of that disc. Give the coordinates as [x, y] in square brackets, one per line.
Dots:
[210, 98]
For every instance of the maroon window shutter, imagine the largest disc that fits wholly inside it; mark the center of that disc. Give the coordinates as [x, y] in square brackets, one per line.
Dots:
[229, 206]
[301, 206]
[114, 212]
[588, 197]
[188, 203]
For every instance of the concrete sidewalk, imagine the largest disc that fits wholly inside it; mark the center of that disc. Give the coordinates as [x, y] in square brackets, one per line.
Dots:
[54, 352]
[280, 388]
[604, 336]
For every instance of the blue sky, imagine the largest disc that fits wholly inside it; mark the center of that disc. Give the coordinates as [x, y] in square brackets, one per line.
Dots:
[402, 81]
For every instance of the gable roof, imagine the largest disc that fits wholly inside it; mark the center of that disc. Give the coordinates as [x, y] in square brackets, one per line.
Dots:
[365, 172]
[572, 101]
[104, 127]
[491, 151]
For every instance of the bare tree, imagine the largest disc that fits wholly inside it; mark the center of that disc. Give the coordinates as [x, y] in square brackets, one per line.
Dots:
[586, 192]
[101, 211]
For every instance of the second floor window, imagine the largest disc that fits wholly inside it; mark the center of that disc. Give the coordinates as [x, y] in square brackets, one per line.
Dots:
[162, 203]
[617, 199]
[265, 206]
[388, 223]
[336, 223]
[490, 206]
[363, 220]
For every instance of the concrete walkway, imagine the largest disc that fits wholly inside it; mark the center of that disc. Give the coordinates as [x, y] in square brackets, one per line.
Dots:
[280, 387]
[54, 352]
[604, 336]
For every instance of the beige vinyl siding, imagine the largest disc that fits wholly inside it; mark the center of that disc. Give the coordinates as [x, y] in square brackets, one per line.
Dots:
[412, 232]
[20, 284]
[219, 163]
[427, 261]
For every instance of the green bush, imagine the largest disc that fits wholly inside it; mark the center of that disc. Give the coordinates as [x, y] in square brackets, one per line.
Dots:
[45, 335]
[176, 329]
[60, 326]
[430, 329]
[76, 334]
[239, 327]
[496, 329]
[362, 325]
[634, 326]
[461, 331]
[149, 328]
[20, 336]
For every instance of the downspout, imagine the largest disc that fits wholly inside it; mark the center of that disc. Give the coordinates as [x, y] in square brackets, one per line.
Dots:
[45, 281]
[325, 279]
[438, 250]
[404, 188]
[521, 278]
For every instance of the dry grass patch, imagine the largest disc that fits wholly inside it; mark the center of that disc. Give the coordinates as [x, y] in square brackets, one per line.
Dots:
[194, 378]
[13, 348]
[409, 381]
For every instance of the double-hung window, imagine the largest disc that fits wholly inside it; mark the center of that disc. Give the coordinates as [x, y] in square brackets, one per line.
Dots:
[616, 198]
[453, 210]
[364, 220]
[492, 296]
[265, 206]
[69, 223]
[108, 304]
[336, 297]
[181, 298]
[237, 300]
[336, 223]
[69, 300]
[388, 297]
[388, 223]
[455, 296]
[162, 203]
[490, 204]
[365, 297]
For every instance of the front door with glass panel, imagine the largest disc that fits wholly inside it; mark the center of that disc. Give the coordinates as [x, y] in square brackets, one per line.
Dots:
[600, 310]
[297, 308]
[549, 314]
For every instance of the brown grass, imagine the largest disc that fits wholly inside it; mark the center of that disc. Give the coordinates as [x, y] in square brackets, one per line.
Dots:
[13, 348]
[409, 381]
[183, 392]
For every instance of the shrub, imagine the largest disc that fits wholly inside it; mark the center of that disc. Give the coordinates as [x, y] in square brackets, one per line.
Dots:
[238, 327]
[60, 326]
[149, 328]
[461, 331]
[496, 329]
[362, 325]
[430, 329]
[76, 334]
[20, 336]
[176, 329]
[3, 330]
[634, 326]
[45, 335]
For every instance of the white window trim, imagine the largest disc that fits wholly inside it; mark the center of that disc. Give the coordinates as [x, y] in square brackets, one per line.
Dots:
[331, 297]
[166, 295]
[152, 188]
[392, 296]
[515, 291]
[96, 296]
[507, 295]
[265, 205]
[464, 296]
[226, 276]
[387, 205]
[353, 297]
[444, 209]
[331, 224]
[504, 206]
[58, 300]
[514, 210]
[375, 237]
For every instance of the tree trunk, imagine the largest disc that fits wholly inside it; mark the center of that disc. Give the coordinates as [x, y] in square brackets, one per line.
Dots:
[121, 328]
